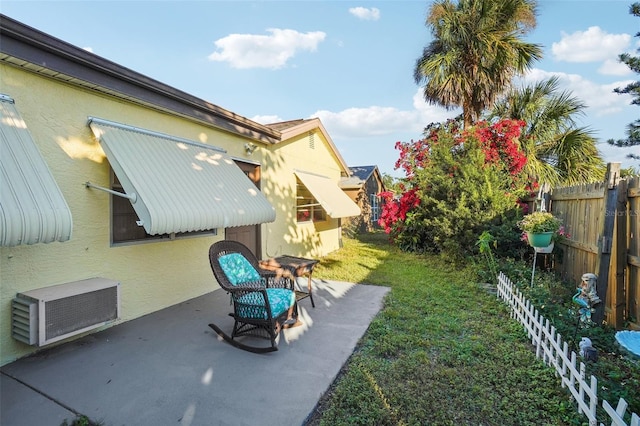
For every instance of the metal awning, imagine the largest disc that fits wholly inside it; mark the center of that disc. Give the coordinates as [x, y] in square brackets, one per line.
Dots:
[32, 207]
[332, 199]
[178, 185]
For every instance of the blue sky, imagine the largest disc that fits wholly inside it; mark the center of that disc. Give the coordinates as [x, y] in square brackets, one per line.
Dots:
[350, 63]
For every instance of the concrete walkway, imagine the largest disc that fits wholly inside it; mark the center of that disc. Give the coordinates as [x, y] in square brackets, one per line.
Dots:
[170, 368]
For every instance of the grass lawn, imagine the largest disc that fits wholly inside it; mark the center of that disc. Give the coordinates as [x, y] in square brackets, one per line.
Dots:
[442, 351]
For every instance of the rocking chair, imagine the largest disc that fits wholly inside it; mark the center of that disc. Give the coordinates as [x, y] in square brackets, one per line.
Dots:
[263, 301]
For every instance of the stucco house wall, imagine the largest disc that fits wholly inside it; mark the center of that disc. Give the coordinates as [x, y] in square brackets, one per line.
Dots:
[310, 152]
[160, 273]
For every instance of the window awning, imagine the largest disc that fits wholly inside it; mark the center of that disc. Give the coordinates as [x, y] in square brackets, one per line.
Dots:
[178, 185]
[32, 207]
[332, 199]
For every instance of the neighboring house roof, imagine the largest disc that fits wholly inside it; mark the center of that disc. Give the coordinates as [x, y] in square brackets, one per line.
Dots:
[284, 125]
[359, 176]
[292, 128]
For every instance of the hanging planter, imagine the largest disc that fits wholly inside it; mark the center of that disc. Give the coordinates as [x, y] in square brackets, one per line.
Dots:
[541, 241]
[540, 228]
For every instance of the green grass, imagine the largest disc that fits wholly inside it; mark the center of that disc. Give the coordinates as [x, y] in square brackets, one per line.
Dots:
[442, 351]
[80, 420]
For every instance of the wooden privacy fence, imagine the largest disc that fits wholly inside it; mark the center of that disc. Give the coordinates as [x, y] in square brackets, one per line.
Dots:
[555, 352]
[603, 221]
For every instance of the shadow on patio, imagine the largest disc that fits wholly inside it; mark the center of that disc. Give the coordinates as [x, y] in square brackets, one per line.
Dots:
[170, 368]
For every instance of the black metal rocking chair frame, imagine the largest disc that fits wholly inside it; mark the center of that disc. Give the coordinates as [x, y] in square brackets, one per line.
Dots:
[254, 325]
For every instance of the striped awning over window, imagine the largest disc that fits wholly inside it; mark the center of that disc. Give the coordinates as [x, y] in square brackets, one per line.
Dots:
[178, 185]
[332, 199]
[32, 207]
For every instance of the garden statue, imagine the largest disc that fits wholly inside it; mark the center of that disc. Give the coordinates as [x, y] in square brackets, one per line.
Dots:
[587, 351]
[588, 286]
[586, 296]
[582, 301]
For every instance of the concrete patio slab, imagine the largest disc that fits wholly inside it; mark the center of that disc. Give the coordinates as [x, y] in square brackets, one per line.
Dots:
[170, 368]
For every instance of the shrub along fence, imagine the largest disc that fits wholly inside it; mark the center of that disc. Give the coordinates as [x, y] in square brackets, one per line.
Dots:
[603, 220]
[555, 352]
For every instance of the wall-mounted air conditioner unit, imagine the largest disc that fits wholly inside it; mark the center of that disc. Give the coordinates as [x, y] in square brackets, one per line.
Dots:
[50, 314]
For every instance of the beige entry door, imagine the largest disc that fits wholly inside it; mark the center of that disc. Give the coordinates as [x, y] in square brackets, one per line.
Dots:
[247, 235]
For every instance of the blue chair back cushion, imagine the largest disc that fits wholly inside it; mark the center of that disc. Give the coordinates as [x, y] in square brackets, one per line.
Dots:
[238, 269]
[252, 305]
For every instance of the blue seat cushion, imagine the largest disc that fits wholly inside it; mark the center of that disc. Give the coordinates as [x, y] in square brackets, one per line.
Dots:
[238, 269]
[252, 305]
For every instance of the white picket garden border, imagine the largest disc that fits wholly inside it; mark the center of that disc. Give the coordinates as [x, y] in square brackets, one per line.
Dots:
[555, 352]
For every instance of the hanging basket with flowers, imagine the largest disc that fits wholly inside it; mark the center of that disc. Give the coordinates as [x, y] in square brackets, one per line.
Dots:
[540, 228]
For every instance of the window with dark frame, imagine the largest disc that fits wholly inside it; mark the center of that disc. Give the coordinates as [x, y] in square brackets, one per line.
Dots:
[124, 221]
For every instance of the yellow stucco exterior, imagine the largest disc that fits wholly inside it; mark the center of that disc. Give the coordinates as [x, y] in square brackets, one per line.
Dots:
[152, 275]
[308, 152]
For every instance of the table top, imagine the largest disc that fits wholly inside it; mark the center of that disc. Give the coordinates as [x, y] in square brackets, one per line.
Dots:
[295, 261]
[300, 264]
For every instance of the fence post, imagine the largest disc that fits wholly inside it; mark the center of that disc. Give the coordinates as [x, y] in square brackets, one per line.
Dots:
[603, 261]
[619, 302]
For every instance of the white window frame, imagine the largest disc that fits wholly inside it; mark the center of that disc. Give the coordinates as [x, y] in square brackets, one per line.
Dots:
[306, 202]
[375, 207]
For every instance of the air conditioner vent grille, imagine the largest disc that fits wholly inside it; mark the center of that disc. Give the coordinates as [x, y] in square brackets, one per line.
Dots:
[25, 321]
[80, 311]
[50, 314]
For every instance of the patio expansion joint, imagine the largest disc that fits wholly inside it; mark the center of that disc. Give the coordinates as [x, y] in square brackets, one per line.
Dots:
[50, 398]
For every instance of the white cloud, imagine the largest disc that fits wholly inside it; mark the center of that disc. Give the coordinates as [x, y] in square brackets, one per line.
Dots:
[265, 51]
[374, 121]
[600, 98]
[614, 67]
[88, 49]
[365, 14]
[429, 113]
[591, 45]
[369, 121]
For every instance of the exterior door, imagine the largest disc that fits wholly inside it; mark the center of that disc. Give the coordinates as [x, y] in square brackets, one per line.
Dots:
[247, 235]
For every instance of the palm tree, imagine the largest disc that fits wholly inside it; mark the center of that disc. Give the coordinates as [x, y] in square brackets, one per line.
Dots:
[476, 50]
[558, 152]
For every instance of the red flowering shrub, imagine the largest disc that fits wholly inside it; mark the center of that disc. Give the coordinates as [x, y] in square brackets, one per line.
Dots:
[499, 142]
[456, 182]
[396, 210]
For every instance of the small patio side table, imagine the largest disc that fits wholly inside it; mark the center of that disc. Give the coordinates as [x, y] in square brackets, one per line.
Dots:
[296, 266]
